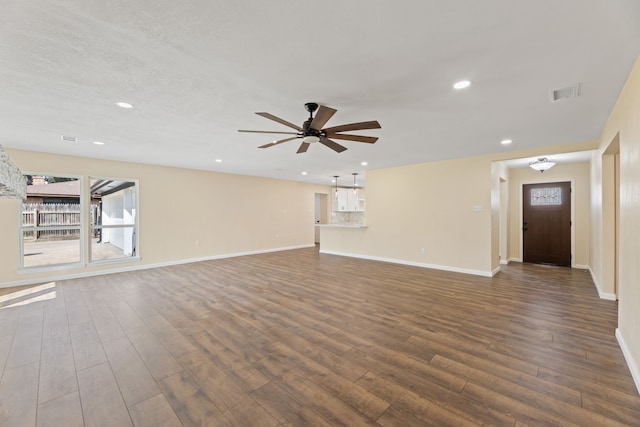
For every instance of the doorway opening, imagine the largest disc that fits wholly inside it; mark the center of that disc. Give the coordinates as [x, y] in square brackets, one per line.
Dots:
[320, 214]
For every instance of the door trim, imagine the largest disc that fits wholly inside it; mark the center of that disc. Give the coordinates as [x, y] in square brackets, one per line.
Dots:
[573, 217]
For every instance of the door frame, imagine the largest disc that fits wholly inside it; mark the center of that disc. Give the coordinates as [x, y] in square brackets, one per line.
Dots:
[521, 184]
[321, 209]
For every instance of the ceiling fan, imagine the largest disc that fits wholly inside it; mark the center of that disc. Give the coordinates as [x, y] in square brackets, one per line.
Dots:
[312, 131]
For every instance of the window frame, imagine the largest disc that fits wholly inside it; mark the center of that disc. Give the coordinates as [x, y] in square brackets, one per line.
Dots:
[136, 225]
[85, 228]
[81, 240]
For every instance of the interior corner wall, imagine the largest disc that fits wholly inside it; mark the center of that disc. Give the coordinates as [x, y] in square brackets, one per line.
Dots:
[579, 173]
[183, 214]
[499, 207]
[624, 124]
[435, 214]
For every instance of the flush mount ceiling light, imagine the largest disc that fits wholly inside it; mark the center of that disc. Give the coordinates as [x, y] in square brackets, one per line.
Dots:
[218, 160]
[542, 164]
[506, 142]
[124, 105]
[98, 142]
[462, 84]
[304, 173]
[364, 163]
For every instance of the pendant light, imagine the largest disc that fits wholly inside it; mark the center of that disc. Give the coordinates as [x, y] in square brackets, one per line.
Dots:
[335, 179]
[355, 185]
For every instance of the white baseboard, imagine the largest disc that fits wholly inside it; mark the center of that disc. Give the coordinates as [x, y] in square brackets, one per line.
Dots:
[412, 263]
[504, 261]
[144, 266]
[602, 295]
[581, 266]
[631, 363]
[515, 260]
[495, 271]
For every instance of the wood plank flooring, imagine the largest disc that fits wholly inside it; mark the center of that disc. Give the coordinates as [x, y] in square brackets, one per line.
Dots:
[297, 338]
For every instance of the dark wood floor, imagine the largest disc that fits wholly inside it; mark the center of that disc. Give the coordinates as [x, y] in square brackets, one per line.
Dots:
[299, 339]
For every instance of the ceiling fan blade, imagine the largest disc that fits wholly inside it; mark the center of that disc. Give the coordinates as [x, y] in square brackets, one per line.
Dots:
[303, 148]
[358, 138]
[279, 120]
[333, 145]
[268, 131]
[354, 126]
[271, 144]
[322, 117]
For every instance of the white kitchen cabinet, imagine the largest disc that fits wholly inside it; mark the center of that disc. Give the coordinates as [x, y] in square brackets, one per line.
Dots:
[348, 201]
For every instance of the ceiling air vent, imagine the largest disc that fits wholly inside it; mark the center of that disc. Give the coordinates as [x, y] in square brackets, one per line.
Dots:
[70, 138]
[565, 92]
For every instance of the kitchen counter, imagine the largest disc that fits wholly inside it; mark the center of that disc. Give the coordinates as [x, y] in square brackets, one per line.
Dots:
[341, 225]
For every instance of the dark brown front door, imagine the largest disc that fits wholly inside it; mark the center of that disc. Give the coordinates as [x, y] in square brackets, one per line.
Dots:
[546, 223]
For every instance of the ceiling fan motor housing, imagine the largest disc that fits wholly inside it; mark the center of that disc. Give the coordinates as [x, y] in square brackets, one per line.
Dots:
[311, 107]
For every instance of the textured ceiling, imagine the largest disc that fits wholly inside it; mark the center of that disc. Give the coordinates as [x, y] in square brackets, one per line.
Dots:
[197, 70]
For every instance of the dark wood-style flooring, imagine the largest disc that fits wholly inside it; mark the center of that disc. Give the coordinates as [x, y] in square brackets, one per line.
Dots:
[297, 338]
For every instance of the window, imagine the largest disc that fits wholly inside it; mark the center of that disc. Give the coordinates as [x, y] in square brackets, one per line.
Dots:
[113, 219]
[546, 196]
[55, 214]
[51, 221]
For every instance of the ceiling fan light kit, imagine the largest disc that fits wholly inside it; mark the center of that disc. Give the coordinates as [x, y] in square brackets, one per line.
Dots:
[312, 130]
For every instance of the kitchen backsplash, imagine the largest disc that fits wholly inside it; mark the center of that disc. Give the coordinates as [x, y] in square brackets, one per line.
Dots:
[348, 218]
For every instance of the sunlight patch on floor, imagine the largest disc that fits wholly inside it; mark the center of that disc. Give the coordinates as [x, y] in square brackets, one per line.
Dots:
[28, 295]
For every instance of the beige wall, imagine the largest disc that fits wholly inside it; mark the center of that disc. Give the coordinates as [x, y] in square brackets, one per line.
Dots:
[431, 206]
[424, 215]
[579, 174]
[623, 127]
[183, 214]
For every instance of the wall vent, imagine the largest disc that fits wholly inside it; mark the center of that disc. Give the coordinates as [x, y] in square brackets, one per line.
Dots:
[565, 92]
[69, 138]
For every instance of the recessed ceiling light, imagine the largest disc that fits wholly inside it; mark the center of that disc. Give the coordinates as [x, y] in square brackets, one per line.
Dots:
[98, 142]
[218, 160]
[462, 84]
[506, 142]
[124, 105]
[364, 164]
[304, 173]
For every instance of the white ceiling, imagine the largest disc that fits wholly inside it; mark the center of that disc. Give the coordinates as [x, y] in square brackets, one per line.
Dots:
[197, 70]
